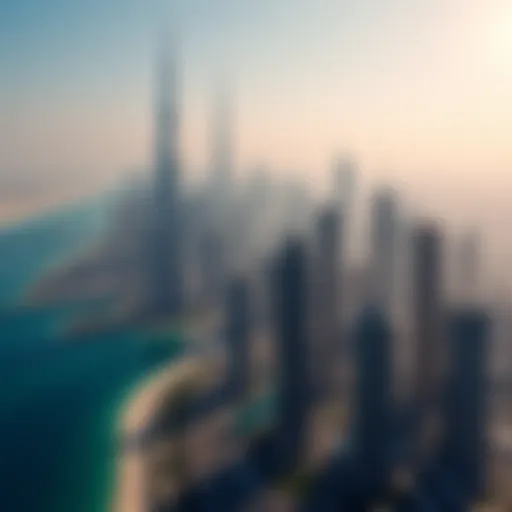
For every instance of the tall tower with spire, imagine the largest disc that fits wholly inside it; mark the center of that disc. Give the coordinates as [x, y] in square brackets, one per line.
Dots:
[166, 281]
[220, 224]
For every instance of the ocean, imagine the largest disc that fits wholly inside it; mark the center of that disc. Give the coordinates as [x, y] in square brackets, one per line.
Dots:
[60, 401]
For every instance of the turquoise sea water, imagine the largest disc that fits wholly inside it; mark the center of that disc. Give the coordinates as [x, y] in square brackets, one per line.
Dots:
[59, 400]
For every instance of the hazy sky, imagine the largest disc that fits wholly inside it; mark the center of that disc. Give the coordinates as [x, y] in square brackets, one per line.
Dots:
[419, 90]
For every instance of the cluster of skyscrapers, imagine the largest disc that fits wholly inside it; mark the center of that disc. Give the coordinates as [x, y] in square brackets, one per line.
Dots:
[424, 449]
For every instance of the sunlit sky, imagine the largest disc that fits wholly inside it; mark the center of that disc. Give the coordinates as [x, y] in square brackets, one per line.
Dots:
[420, 91]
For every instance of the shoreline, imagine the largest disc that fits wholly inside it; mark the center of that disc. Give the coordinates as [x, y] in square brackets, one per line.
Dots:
[51, 284]
[128, 493]
[139, 410]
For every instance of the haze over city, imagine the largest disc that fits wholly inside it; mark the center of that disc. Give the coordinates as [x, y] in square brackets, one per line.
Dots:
[418, 93]
[255, 256]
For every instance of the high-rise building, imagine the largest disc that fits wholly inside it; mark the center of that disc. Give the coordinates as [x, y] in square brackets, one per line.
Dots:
[344, 186]
[222, 218]
[222, 150]
[384, 244]
[166, 288]
[238, 323]
[468, 267]
[373, 409]
[327, 282]
[211, 266]
[467, 417]
[291, 319]
[430, 357]
[258, 208]
[296, 205]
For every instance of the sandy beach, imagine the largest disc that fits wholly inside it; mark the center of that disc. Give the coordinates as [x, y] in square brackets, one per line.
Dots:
[141, 408]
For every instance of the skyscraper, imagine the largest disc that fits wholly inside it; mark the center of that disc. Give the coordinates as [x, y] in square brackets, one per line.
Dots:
[166, 265]
[384, 243]
[258, 207]
[296, 205]
[222, 147]
[427, 296]
[373, 349]
[222, 218]
[211, 263]
[327, 284]
[468, 267]
[291, 321]
[344, 186]
[237, 333]
[467, 416]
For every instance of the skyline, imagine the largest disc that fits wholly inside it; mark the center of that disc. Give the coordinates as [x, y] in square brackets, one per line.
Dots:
[417, 94]
[281, 278]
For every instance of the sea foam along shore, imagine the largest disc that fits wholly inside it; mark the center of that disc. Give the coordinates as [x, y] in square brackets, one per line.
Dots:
[141, 409]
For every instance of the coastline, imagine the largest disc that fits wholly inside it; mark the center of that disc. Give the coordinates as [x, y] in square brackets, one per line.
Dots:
[51, 284]
[140, 409]
[78, 394]
[128, 492]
